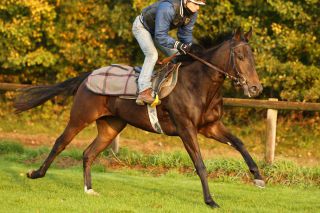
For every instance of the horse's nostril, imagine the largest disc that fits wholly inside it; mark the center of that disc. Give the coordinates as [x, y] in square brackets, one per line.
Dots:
[253, 89]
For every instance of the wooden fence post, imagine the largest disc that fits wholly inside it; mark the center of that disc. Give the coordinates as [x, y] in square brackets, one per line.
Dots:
[271, 133]
[116, 144]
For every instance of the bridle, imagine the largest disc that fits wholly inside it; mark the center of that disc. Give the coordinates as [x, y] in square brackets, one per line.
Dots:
[238, 79]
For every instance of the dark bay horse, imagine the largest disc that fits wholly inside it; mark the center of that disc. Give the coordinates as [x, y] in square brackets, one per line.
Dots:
[194, 106]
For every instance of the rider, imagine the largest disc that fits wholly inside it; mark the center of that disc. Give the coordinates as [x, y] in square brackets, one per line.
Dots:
[151, 29]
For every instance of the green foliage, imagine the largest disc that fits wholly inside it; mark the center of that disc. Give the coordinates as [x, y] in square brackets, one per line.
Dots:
[283, 172]
[173, 160]
[44, 41]
[26, 33]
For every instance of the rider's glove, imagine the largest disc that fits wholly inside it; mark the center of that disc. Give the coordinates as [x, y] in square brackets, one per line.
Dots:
[182, 48]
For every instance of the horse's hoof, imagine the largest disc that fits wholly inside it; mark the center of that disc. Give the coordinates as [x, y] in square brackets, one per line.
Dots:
[212, 204]
[91, 192]
[259, 183]
[32, 174]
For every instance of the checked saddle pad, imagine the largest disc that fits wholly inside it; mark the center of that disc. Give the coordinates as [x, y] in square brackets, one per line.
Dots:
[121, 80]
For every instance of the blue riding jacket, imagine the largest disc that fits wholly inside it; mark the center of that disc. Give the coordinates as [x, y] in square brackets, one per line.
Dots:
[164, 15]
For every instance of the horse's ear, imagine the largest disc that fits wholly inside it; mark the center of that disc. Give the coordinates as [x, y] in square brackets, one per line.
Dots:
[248, 35]
[237, 34]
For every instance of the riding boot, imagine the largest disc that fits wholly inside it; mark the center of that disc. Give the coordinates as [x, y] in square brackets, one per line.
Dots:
[145, 97]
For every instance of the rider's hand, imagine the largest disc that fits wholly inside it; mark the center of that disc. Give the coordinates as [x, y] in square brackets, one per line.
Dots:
[182, 48]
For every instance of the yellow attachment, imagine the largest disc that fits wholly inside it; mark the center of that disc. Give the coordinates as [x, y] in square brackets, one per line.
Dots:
[156, 101]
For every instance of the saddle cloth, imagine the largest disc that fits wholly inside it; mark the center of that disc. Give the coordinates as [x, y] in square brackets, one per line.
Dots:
[121, 80]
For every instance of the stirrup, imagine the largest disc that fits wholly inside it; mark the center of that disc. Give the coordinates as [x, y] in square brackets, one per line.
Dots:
[156, 101]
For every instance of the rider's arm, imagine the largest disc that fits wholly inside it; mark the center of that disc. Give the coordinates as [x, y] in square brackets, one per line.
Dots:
[165, 15]
[185, 32]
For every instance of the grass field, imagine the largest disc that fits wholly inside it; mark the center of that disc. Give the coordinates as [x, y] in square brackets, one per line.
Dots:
[159, 176]
[126, 189]
[131, 191]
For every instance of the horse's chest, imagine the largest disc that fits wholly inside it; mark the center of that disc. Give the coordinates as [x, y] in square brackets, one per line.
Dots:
[212, 114]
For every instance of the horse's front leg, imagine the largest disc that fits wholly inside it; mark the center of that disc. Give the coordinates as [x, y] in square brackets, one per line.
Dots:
[188, 134]
[218, 132]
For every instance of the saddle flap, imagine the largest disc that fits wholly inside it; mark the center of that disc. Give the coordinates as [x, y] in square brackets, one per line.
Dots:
[165, 80]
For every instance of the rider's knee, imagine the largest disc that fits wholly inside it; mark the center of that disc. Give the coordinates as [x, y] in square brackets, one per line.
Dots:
[153, 56]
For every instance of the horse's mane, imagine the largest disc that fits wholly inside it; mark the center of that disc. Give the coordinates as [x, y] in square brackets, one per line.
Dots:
[214, 42]
[200, 50]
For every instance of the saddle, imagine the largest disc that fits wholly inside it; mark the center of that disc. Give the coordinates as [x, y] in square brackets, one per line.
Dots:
[122, 80]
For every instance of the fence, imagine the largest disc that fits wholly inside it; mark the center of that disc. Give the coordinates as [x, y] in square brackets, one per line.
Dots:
[272, 105]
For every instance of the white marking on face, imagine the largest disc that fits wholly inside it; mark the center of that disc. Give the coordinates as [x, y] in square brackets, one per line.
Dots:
[229, 143]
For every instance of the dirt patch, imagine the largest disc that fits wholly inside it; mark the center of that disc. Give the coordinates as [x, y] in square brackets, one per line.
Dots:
[37, 140]
[149, 147]
[60, 162]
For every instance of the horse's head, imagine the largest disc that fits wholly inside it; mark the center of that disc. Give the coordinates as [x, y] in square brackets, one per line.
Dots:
[240, 65]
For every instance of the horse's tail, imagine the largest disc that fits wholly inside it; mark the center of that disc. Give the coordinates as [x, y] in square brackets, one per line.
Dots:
[37, 95]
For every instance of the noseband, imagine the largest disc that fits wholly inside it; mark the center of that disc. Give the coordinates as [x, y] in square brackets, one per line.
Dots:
[238, 79]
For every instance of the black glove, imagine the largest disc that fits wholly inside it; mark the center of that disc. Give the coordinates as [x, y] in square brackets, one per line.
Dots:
[182, 48]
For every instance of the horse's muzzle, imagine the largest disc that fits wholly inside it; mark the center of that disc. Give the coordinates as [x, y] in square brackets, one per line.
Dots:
[256, 90]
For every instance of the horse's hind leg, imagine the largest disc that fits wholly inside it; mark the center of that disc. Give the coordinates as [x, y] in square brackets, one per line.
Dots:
[62, 141]
[108, 129]
[87, 107]
[218, 132]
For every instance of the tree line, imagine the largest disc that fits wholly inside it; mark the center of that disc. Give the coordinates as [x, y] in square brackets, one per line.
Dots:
[45, 41]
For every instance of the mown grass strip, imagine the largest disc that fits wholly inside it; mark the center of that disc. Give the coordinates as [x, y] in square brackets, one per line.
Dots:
[132, 191]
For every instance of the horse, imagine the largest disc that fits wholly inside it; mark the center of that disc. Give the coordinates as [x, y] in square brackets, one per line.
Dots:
[194, 106]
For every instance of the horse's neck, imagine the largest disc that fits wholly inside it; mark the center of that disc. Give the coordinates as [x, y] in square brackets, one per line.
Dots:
[201, 80]
[217, 57]
[205, 82]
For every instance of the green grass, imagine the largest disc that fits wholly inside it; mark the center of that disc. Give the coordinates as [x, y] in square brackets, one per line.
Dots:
[281, 172]
[131, 191]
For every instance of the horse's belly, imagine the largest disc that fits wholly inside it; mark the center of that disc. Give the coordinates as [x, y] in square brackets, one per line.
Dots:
[137, 116]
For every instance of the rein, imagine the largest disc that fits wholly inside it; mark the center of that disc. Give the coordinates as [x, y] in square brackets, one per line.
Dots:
[212, 66]
[239, 80]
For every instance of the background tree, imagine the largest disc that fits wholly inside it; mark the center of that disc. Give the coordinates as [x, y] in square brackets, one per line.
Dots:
[26, 39]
